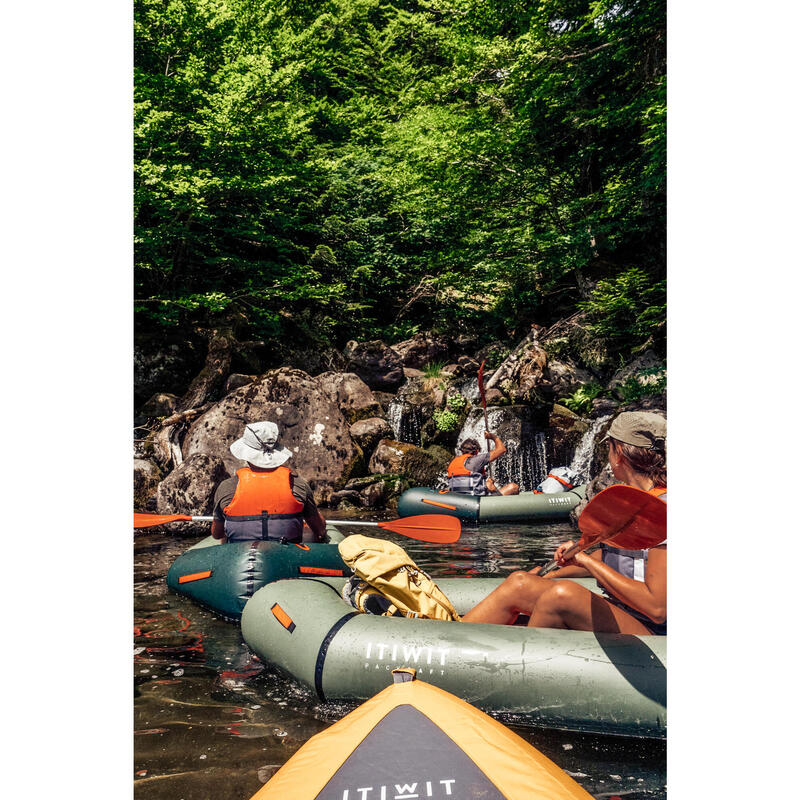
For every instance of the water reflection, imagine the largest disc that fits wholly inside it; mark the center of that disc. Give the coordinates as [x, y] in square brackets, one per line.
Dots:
[210, 720]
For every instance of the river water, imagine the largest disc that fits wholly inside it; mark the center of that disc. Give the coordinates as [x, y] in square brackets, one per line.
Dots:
[211, 720]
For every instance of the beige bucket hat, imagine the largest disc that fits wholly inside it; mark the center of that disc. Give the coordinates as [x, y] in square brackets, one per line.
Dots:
[259, 446]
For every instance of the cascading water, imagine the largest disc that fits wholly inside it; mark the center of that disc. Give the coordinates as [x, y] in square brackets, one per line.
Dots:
[405, 421]
[582, 460]
[468, 389]
[525, 461]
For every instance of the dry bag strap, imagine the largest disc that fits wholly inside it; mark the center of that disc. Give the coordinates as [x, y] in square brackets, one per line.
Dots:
[561, 481]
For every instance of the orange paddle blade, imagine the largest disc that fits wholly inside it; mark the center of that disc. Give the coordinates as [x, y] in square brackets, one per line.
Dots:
[148, 520]
[437, 528]
[624, 517]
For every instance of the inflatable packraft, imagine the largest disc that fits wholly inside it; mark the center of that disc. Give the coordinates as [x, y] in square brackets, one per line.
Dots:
[413, 740]
[572, 680]
[223, 578]
[522, 507]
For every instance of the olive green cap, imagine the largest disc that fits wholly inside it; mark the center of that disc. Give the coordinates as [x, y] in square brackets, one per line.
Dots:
[640, 429]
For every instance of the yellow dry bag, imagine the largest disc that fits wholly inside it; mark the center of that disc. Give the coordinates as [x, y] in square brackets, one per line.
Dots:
[388, 582]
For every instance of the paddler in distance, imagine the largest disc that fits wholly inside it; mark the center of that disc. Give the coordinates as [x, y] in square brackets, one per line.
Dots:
[634, 582]
[264, 500]
[466, 473]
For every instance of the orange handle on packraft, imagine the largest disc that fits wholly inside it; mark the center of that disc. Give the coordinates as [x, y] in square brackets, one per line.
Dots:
[622, 516]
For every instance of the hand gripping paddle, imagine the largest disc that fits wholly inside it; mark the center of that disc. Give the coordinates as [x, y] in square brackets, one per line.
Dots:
[437, 528]
[622, 516]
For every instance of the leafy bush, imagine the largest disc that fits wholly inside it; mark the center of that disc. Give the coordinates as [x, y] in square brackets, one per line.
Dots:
[580, 401]
[445, 420]
[627, 310]
[645, 382]
[456, 402]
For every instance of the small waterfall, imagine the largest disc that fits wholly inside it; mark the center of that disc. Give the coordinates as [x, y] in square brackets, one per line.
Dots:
[525, 461]
[405, 421]
[582, 460]
[469, 389]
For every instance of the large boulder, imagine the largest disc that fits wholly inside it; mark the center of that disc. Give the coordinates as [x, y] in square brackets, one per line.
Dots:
[367, 433]
[146, 477]
[375, 363]
[566, 378]
[423, 349]
[189, 488]
[421, 467]
[310, 422]
[565, 431]
[354, 398]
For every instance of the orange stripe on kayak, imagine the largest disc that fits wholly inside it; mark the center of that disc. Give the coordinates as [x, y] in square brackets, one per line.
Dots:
[302, 546]
[195, 576]
[441, 505]
[283, 617]
[320, 571]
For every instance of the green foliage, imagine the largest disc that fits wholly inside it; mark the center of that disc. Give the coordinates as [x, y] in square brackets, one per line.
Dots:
[627, 310]
[580, 401]
[434, 369]
[651, 381]
[445, 420]
[359, 169]
[456, 402]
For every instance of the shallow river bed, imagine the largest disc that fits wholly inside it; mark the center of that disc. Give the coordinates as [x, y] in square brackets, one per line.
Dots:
[211, 720]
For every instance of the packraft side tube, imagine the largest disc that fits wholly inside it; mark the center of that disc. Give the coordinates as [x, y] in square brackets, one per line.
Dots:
[223, 577]
[522, 507]
[571, 680]
[427, 501]
[529, 506]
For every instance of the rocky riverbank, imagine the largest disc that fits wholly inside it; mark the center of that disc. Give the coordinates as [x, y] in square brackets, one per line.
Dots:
[388, 417]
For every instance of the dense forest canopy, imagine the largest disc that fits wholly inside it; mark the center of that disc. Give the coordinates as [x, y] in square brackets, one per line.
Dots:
[366, 169]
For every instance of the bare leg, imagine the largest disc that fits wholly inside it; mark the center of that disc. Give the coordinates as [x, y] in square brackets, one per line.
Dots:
[516, 595]
[510, 488]
[565, 604]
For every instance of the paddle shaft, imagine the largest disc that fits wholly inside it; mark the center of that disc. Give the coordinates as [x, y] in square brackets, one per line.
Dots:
[485, 413]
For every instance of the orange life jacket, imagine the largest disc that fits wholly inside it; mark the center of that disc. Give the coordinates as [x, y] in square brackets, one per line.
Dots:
[458, 466]
[461, 479]
[263, 507]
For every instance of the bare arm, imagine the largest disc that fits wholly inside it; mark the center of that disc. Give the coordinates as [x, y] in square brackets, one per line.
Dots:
[218, 530]
[648, 596]
[317, 524]
[498, 448]
[571, 571]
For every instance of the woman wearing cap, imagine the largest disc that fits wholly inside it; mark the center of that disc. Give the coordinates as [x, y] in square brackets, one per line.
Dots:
[634, 582]
[264, 500]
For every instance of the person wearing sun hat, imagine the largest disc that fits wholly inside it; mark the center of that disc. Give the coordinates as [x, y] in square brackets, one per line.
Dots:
[264, 500]
[634, 582]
